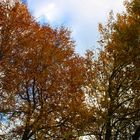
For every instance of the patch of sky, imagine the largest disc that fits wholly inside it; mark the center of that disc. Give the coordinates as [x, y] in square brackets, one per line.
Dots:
[24, 1]
[80, 16]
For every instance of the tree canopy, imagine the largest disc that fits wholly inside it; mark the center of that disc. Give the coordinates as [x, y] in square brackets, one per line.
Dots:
[41, 79]
[48, 92]
[113, 80]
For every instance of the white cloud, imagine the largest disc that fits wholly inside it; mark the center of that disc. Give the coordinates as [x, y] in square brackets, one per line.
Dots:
[82, 16]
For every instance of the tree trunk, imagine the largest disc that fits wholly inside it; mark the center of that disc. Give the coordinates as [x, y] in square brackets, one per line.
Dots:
[136, 135]
[108, 131]
[26, 134]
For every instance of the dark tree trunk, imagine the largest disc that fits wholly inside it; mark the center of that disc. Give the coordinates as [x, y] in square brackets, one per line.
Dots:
[136, 135]
[26, 134]
[108, 131]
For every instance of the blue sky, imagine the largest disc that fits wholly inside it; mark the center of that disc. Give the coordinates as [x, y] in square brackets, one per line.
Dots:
[80, 16]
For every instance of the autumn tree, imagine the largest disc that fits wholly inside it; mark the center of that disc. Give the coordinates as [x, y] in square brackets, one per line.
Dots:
[41, 79]
[113, 80]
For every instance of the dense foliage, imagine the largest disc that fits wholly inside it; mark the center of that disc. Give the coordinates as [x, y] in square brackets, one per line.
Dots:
[113, 80]
[41, 79]
[48, 92]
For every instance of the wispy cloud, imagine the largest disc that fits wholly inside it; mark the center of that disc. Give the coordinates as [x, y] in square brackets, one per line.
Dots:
[81, 16]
